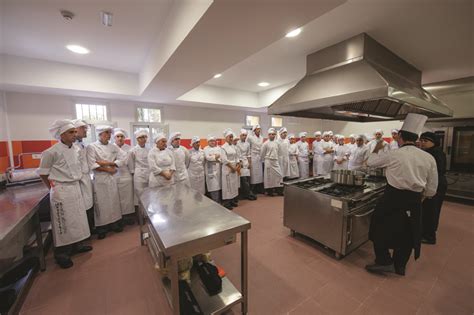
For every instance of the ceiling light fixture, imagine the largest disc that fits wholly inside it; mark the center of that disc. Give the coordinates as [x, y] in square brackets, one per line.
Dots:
[218, 75]
[106, 18]
[263, 84]
[78, 49]
[294, 33]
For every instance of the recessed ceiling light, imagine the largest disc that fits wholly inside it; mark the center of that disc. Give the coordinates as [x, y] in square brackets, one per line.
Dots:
[78, 49]
[218, 75]
[263, 84]
[294, 33]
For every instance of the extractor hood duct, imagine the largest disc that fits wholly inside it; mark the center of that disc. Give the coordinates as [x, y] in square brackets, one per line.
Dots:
[358, 80]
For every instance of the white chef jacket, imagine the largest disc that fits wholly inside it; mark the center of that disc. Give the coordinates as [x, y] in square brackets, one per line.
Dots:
[230, 180]
[127, 169]
[181, 160]
[373, 143]
[86, 182]
[256, 171]
[243, 148]
[61, 163]
[316, 148]
[196, 170]
[272, 174]
[212, 168]
[393, 145]
[303, 158]
[341, 153]
[357, 157]
[124, 178]
[284, 157]
[293, 160]
[408, 168]
[141, 176]
[326, 160]
[159, 161]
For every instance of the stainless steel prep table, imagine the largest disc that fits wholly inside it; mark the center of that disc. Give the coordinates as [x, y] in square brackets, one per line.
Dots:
[19, 207]
[178, 222]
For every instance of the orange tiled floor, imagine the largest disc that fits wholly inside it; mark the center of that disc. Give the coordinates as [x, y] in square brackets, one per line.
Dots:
[286, 275]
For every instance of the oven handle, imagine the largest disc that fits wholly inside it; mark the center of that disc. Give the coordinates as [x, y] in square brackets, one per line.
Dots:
[364, 214]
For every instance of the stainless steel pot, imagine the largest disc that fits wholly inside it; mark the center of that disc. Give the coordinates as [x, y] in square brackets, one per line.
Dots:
[346, 177]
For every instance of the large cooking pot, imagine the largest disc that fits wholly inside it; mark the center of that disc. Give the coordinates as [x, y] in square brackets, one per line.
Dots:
[346, 177]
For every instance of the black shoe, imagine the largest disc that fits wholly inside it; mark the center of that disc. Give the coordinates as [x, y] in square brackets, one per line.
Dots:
[229, 207]
[129, 221]
[101, 235]
[428, 241]
[82, 249]
[234, 204]
[380, 269]
[117, 229]
[64, 262]
[251, 198]
[400, 271]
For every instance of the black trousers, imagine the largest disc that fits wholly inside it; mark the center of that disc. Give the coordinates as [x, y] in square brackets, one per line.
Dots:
[431, 213]
[90, 219]
[244, 190]
[399, 258]
[215, 195]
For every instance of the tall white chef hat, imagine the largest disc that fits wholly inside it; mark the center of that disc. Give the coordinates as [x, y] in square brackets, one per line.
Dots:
[394, 130]
[159, 136]
[140, 133]
[195, 139]
[330, 133]
[282, 130]
[326, 133]
[291, 136]
[79, 123]
[211, 137]
[352, 136]
[243, 131]
[359, 137]
[303, 134]
[341, 137]
[317, 133]
[271, 130]
[414, 123]
[174, 135]
[60, 126]
[228, 132]
[120, 131]
[378, 131]
[257, 126]
[101, 128]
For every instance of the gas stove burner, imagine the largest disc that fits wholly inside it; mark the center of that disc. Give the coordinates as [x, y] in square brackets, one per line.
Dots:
[341, 190]
[313, 183]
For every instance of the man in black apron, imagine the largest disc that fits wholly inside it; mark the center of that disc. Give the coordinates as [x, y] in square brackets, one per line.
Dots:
[396, 222]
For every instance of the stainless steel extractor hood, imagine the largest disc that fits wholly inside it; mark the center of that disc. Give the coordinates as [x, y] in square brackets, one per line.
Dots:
[358, 80]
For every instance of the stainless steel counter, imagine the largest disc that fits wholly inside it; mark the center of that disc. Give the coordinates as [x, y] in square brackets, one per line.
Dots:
[178, 222]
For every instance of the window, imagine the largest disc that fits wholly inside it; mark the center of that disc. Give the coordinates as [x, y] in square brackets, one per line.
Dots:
[148, 114]
[152, 128]
[277, 122]
[91, 112]
[252, 120]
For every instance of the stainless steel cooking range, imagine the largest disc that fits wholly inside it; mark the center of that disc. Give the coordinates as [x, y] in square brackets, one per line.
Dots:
[337, 216]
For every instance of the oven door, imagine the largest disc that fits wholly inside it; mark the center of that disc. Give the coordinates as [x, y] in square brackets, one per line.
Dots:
[356, 225]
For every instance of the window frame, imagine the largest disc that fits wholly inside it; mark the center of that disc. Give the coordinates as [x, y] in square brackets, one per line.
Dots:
[253, 115]
[108, 111]
[271, 122]
[150, 106]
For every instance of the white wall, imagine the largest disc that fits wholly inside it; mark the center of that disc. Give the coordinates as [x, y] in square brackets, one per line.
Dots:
[3, 131]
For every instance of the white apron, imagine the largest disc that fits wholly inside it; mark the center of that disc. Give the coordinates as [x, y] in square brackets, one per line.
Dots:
[181, 160]
[272, 175]
[326, 160]
[141, 170]
[124, 180]
[316, 156]
[284, 157]
[341, 152]
[68, 218]
[196, 170]
[230, 181]
[243, 150]
[256, 171]
[303, 159]
[161, 160]
[213, 168]
[293, 161]
[85, 182]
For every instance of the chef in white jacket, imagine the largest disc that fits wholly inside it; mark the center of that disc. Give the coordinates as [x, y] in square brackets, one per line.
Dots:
[86, 181]
[196, 166]
[272, 172]
[104, 160]
[341, 154]
[243, 150]
[212, 168]
[359, 155]
[352, 142]
[161, 161]
[124, 177]
[378, 137]
[283, 155]
[181, 157]
[60, 169]
[394, 142]
[293, 153]
[316, 148]
[230, 171]
[303, 156]
[327, 156]
[139, 156]
[255, 139]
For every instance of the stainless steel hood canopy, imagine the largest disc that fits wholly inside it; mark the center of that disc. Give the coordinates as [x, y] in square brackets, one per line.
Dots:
[358, 80]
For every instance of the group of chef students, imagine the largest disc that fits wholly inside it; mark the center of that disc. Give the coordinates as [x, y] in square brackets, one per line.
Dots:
[239, 169]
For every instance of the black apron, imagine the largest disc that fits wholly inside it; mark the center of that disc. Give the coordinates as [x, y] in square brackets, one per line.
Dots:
[391, 226]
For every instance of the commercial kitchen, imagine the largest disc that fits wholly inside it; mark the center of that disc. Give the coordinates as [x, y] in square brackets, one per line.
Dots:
[236, 157]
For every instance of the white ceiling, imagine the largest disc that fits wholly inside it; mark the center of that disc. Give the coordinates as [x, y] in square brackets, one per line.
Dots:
[435, 36]
[36, 29]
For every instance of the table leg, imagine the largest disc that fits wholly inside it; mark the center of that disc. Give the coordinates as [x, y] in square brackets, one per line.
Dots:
[244, 271]
[39, 241]
[173, 274]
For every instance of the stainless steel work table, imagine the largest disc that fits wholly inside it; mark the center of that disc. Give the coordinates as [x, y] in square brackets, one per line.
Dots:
[18, 206]
[178, 222]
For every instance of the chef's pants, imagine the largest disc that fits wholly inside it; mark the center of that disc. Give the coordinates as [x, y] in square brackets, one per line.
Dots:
[399, 258]
[430, 215]
[244, 191]
[90, 219]
[215, 195]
